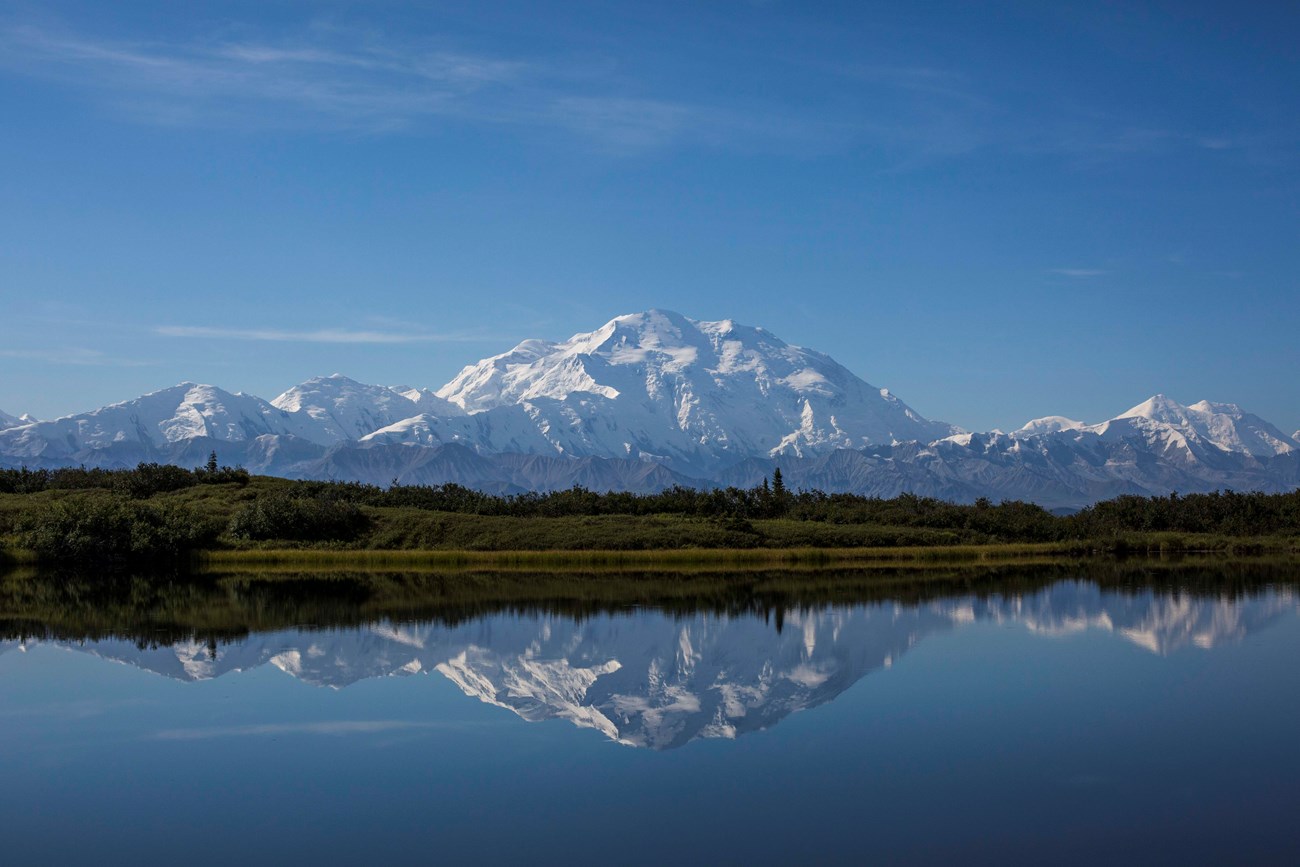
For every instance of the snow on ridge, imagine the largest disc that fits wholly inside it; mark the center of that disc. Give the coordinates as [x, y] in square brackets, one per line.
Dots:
[707, 392]
[1158, 407]
[1224, 425]
[8, 421]
[1162, 421]
[171, 415]
[346, 410]
[1049, 424]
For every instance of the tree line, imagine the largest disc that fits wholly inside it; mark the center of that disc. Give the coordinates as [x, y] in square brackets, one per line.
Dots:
[138, 483]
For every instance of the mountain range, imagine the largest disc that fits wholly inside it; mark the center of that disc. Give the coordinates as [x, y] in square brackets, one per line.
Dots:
[655, 399]
[660, 681]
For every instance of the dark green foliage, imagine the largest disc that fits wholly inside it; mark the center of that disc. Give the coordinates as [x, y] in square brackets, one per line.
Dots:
[1010, 520]
[1227, 513]
[298, 519]
[149, 479]
[25, 481]
[780, 502]
[142, 482]
[109, 530]
[215, 475]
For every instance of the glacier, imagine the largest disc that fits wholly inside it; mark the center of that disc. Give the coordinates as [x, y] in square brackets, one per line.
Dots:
[655, 399]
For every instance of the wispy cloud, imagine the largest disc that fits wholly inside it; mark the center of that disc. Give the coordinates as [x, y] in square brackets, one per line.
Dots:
[358, 85]
[334, 728]
[76, 356]
[1078, 273]
[323, 335]
[335, 80]
[929, 113]
[324, 78]
[338, 80]
[624, 122]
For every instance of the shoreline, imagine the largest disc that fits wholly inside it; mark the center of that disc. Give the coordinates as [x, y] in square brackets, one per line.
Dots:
[720, 558]
[741, 558]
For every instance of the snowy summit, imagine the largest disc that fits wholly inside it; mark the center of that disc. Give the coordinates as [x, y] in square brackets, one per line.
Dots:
[659, 384]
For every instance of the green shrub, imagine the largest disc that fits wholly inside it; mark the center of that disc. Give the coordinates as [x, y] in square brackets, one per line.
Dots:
[111, 530]
[149, 479]
[141, 482]
[280, 516]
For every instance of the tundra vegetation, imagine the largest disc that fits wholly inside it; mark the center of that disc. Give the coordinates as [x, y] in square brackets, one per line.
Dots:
[165, 514]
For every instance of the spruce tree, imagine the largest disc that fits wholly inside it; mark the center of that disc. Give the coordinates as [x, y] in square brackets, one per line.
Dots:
[780, 497]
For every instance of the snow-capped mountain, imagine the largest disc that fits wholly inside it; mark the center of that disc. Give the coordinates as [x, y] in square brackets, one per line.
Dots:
[661, 681]
[1160, 419]
[348, 410]
[1048, 424]
[174, 415]
[659, 386]
[655, 399]
[1223, 425]
[8, 421]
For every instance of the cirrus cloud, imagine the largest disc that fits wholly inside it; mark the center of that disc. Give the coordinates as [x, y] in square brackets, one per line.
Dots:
[321, 335]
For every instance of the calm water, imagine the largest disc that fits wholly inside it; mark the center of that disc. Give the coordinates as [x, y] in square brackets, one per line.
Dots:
[1055, 719]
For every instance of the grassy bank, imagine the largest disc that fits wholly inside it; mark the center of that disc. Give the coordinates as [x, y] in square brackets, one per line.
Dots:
[677, 559]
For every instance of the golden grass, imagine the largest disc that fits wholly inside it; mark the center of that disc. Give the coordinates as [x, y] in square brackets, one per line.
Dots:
[688, 559]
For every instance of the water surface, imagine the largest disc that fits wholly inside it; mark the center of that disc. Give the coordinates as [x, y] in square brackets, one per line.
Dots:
[1064, 718]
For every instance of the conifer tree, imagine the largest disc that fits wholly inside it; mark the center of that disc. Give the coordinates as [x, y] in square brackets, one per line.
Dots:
[780, 497]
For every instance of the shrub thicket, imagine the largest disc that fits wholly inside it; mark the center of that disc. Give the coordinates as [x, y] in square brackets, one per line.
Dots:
[1225, 513]
[110, 529]
[299, 519]
[141, 482]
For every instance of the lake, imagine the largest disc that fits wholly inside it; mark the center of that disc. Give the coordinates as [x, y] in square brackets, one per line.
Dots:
[1135, 713]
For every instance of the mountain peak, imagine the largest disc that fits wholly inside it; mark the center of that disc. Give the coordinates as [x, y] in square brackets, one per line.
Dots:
[1157, 407]
[1206, 406]
[653, 329]
[7, 421]
[346, 409]
[1049, 424]
[1224, 425]
[657, 383]
[655, 314]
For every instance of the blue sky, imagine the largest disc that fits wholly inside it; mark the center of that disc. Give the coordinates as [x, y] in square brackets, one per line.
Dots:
[998, 211]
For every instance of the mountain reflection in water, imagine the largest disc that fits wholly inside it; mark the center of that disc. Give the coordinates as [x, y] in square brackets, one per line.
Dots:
[661, 679]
